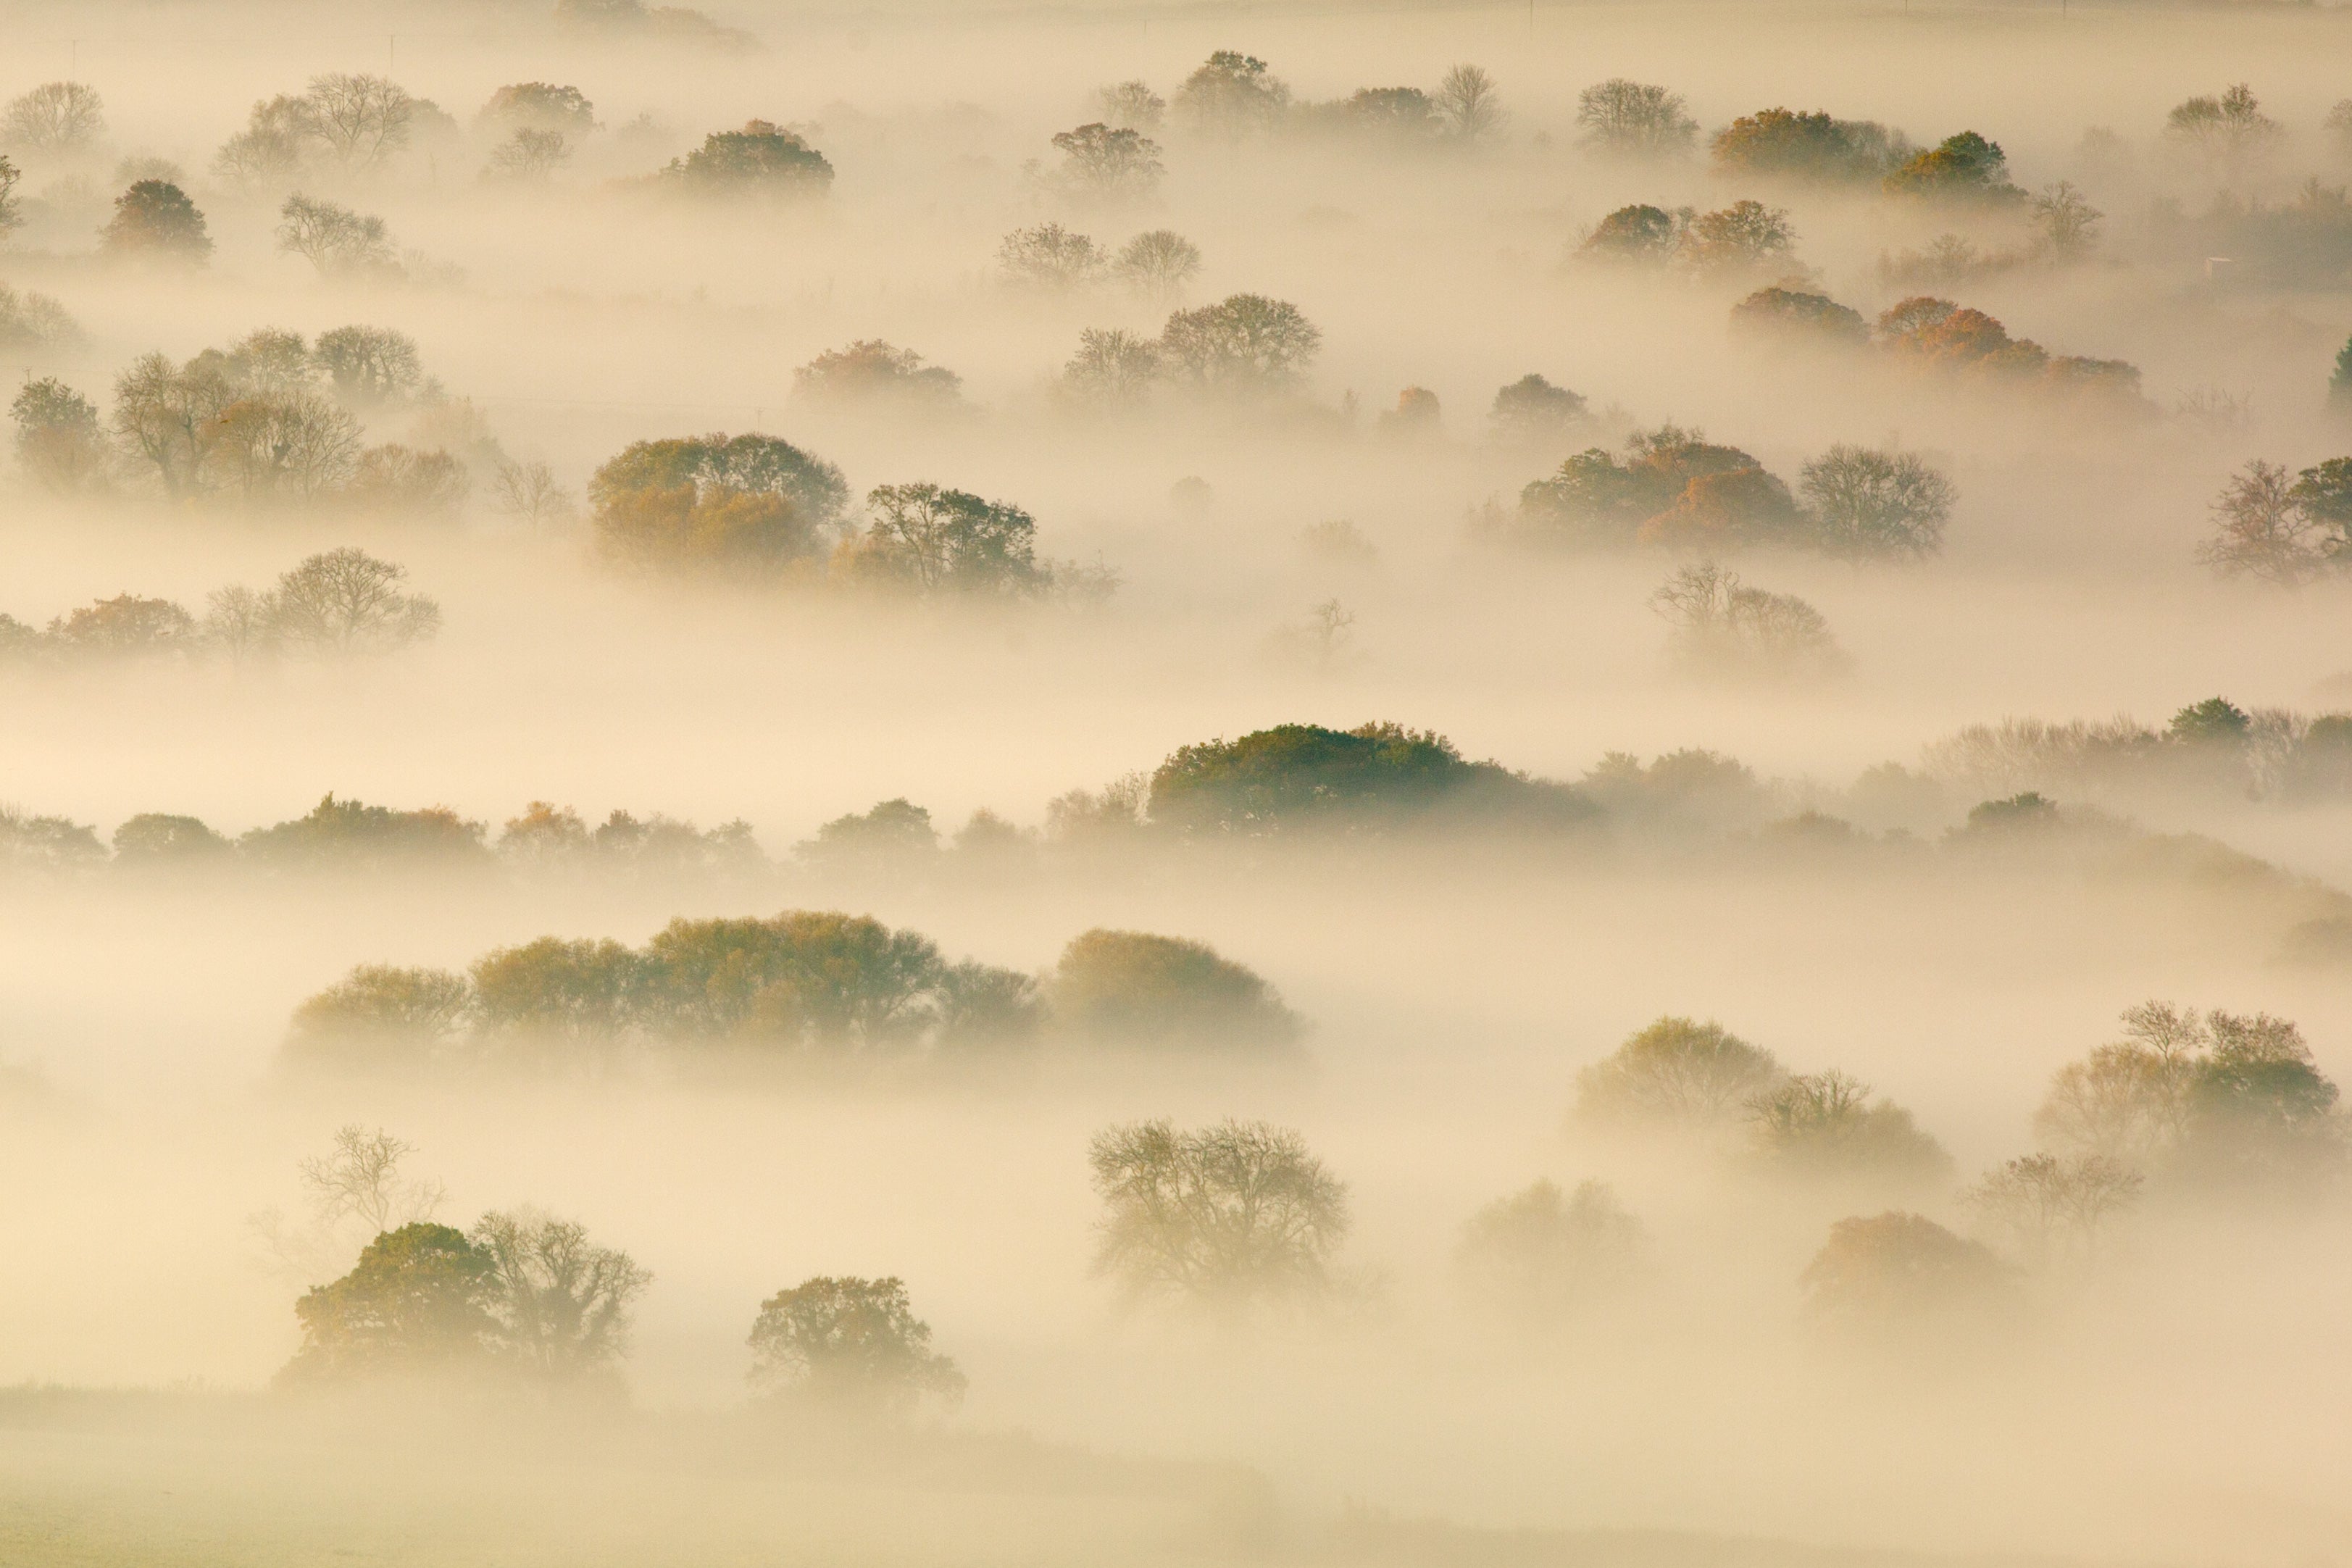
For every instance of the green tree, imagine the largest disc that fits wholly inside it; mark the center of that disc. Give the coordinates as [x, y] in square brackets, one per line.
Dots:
[1744, 236]
[1226, 1216]
[1532, 412]
[849, 1345]
[1826, 1124]
[1794, 315]
[558, 1304]
[2230, 127]
[538, 106]
[800, 979]
[1636, 233]
[1248, 345]
[932, 540]
[1231, 94]
[1677, 1072]
[1964, 167]
[558, 999]
[348, 834]
[379, 1018]
[1294, 775]
[155, 838]
[759, 160]
[414, 1306]
[1109, 162]
[1133, 988]
[889, 831]
[155, 218]
[870, 372]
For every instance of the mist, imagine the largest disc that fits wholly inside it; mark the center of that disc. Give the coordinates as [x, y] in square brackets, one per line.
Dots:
[1256, 784]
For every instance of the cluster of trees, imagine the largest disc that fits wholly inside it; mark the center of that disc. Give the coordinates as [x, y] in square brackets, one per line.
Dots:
[350, 835]
[344, 126]
[536, 127]
[1935, 335]
[1246, 349]
[1722, 624]
[339, 603]
[1157, 263]
[1688, 1077]
[1673, 488]
[799, 985]
[528, 1302]
[2213, 747]
[1232, 95]
[1307, 778]
[2282, 527]
[755, 508]
[271, 420]
[1744, 237]
[761, 160]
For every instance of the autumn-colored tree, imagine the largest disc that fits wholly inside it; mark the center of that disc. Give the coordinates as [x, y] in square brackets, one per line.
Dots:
[155, 218]
[1133, 988]
[412, 1307]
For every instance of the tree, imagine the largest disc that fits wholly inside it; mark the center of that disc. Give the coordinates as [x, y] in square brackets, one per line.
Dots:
[155, 838]
[379, 1016]
[1109, 162]
[933, 540]
[295, 445]
[1895, 1269]
[1298, 776]
[558, 1304]
[2230, 127]
[2324, 495]
[557, 999]
[760, 160]
[1158, 262]
[2339, 383]
[336, 240]
[850, 1345]
[1793, 316]
[271, 360]
[1808, 145]
[58, 117]
[11, 214]
[743, 503]
[347, 602]
[240, 623]
[1966, 168]
[168, 418]
[57, 438]
[2051, 1204]
[871, 371]
[1729, 510]
[1226, 1216]
[1231, 94]
[1467, 104]
[1745, 235]
[1532, 412]
[1635, 118]
[1132, 988]
[529, 493]
[414, 1306]
[1826, 1124]
[527, 155]
[889, 830]
[1049, 257]
[1541, 1256]
[538, 106]
[123, 626]
[2068, 223]
[2261, 530]
[361, 1180]
[395, 478]
[1864, 503]
[360, 119]
[1112, 369]
[1248, 345]
[1131, 106]
[1677, 1072]
[1636, 233]
[369, 366]
[155, 218]
[275, 144]
[798, 980]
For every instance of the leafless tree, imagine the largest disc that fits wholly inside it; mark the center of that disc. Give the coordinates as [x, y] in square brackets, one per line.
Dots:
[56, 117]
[362, 118]
[2260, 529]
[529, 493]
[346, 601]
[1225, 1215]
[1468, 104]
[2050, 1203]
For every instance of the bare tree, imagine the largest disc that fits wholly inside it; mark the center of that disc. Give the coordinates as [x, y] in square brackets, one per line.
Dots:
[1158, 262]
[1722, 623]
[56, 117]
[2260, 529]
[2049, 1203]
[362, 118]
[529, 154]
[529, 493]
[1468, 104]
[1226, 1215]
[168, 417]
[1131, 106]
[336, 240]
[2068, 221]
[1049, 257]
[346, 601]
[1635, 117]
[360, 1178]
[1112, 369]
[1865, 502]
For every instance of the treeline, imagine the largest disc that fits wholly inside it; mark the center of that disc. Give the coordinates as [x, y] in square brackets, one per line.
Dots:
[803, 985]
[339, 603]
[2213, 748]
